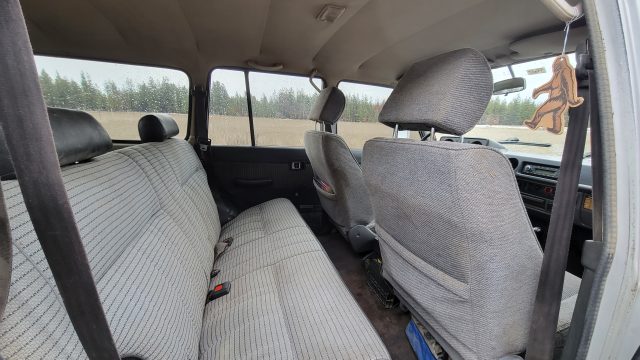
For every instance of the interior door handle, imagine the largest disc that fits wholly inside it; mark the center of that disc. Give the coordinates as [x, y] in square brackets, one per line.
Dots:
[253, 183]
[296, 165]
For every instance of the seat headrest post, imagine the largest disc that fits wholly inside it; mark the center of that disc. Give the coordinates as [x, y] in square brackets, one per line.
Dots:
[157, 127]
[395, 131]
[449, 92]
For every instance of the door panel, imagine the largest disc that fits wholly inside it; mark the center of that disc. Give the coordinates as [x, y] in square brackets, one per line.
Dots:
[248, 176]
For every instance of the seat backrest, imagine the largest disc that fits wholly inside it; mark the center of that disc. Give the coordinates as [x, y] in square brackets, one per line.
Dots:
[455, 238]
[141, 214]
[337, 175]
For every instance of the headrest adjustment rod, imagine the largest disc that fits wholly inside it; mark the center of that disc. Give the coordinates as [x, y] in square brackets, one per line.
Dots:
[395, 131]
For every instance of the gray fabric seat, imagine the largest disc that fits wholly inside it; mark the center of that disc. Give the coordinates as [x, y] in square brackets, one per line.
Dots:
[455, 238]
[149, 225]
[337, 175]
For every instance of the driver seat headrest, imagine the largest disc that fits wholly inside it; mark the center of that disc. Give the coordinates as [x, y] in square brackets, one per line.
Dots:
[449, 92]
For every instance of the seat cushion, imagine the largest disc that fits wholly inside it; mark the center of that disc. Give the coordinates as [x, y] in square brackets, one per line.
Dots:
[142, 262]
[287, 300]
[264, 219]
[296, 308]
[149, 226]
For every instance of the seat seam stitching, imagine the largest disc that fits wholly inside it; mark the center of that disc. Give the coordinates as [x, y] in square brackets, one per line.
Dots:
[40, 272]
[287, 326]
[265, 235]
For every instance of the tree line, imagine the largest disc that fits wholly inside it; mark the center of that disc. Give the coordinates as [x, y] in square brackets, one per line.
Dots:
[149, 96]
[164, 96]
[287, 104]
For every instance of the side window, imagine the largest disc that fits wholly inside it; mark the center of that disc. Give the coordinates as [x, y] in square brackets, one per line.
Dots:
[117, 95]
[228, 115]
[359, 121]
[281, 106]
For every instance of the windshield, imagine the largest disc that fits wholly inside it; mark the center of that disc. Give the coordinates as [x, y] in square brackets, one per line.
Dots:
[502, 121]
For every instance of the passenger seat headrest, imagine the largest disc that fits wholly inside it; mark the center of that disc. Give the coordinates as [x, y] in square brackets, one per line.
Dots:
[157, 127]
[329, 106]
[78, 136]
[449, 92]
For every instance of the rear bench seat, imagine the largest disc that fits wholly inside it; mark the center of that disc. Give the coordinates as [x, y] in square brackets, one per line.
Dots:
[149, 225]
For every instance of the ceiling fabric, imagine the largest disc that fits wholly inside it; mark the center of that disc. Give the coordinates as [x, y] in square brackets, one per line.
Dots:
[373, 41]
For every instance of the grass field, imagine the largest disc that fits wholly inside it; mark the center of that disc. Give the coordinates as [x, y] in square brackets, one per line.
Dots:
[230, 130]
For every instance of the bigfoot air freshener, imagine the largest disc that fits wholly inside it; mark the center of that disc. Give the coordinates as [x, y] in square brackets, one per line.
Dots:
[563, 94]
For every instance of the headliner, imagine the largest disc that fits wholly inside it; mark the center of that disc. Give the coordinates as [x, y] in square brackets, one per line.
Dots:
[374, 41]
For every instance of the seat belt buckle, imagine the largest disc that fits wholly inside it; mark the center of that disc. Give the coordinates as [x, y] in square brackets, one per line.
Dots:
[218, 291]
[215, 273]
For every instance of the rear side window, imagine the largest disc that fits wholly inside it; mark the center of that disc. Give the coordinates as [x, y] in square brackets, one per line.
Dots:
[359, 121]
[117, 95]
[280, 107]
[228, 114]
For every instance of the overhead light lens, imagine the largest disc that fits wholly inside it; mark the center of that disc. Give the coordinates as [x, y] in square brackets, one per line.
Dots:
[330, 13]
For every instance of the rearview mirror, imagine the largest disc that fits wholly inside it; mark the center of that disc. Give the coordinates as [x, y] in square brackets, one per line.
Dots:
[509, 86]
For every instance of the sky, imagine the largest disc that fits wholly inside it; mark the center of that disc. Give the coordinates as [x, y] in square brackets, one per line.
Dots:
[264, 83]
[100, 72]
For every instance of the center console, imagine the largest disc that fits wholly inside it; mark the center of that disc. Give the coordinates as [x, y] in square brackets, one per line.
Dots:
[537, 183]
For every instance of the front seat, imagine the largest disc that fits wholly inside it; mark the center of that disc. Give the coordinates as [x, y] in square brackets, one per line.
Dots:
[456, 241]
[337, 175]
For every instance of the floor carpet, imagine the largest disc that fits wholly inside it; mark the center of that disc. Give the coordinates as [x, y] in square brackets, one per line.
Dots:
[390, 323]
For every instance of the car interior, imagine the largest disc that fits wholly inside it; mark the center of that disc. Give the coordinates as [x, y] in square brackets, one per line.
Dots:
[295, 180]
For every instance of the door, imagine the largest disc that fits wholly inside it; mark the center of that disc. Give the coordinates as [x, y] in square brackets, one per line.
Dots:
[257, 123]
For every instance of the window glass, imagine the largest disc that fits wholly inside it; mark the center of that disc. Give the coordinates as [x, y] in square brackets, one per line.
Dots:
[117, 95]
[359, 121]
[281, 106]
[504, 117]
[228, 115]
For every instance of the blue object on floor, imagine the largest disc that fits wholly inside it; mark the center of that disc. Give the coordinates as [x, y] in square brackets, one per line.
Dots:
[418, 343]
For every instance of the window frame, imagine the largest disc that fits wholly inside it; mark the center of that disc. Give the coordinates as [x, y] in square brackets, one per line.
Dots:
[246, 72]
[118, 62]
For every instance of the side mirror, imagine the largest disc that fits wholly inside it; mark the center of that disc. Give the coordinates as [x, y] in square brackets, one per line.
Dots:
[509, 86]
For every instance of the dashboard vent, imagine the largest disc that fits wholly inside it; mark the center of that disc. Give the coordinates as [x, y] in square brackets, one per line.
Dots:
[514, 163]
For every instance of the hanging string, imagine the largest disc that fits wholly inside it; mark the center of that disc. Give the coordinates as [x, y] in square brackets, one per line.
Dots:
[566, 31]
[566, 36]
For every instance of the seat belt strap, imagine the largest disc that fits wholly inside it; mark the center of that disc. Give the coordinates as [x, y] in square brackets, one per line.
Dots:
[541, 341]
[221, 247]
[592, 250]
[23, 116]
[6, 254]
[201, 121]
